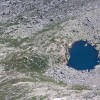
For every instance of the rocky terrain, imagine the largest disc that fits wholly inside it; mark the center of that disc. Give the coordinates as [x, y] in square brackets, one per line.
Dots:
[35, 36]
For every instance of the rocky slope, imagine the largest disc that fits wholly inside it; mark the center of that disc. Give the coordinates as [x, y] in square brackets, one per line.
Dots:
[34, 39]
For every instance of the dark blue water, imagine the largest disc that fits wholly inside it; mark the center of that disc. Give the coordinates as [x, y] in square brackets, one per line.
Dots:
[83, 56]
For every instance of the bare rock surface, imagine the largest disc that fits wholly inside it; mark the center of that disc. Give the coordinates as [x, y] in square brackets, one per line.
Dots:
[35, 37]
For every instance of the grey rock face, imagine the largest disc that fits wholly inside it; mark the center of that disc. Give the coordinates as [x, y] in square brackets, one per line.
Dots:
[38, 10]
